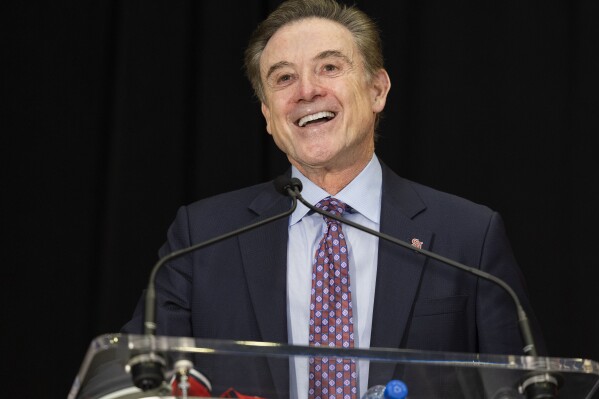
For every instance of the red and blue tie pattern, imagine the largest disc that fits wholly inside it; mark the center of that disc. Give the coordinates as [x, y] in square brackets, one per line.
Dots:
[331, 317]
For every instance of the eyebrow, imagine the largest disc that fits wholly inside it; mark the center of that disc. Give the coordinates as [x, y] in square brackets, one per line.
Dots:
[320, 56]
[333, 54]
[276, 66]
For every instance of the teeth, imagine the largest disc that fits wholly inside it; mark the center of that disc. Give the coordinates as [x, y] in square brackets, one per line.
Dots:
[308, 118]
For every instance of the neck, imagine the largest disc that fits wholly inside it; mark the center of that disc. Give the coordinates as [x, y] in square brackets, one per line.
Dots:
[333, 180]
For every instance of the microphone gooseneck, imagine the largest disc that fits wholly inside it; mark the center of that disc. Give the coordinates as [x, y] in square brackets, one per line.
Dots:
[529, 346]
[282, 184]
[147, 368]
[534, 385]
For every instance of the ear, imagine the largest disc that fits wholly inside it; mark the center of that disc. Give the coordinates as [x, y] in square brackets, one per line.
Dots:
[380, 86]
[266, 113]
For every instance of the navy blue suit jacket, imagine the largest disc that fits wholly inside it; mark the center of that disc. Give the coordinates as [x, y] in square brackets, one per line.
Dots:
[236, 289]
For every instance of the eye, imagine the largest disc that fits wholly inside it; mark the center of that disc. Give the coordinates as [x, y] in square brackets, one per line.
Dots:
[284, 78]
[330, 68]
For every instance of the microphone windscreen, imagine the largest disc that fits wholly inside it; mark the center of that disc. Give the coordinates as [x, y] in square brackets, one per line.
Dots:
[296, 184]
[283, 183]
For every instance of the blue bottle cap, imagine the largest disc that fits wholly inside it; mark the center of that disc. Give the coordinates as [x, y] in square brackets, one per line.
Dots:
[396, 389]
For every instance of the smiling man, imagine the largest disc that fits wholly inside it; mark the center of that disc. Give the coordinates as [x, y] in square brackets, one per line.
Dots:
[317, 68]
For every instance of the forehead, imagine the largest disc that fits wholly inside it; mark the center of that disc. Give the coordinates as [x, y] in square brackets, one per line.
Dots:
[303, 40]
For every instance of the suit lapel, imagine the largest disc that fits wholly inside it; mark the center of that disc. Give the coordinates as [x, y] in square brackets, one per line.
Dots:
[264, 254]
[399, 270]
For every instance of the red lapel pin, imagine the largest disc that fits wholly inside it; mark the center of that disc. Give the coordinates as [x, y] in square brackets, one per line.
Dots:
[417, 243]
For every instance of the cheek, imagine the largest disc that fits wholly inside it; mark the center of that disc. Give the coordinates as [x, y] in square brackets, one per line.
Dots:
[361, 96]
[277, 127]
[274, 117]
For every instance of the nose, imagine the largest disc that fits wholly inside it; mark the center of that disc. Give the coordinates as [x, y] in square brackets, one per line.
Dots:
[309, 87]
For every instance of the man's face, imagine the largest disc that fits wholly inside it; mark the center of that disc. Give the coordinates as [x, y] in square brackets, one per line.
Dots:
[320, 105]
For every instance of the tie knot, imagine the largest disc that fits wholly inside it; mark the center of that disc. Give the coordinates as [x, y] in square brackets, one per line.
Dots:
[332, 205]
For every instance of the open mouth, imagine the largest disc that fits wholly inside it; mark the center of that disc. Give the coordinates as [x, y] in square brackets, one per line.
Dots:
[323, 116]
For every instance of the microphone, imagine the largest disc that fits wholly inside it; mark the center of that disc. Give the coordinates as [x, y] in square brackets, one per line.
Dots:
[535, 385]
[147, 369]
[288, 186]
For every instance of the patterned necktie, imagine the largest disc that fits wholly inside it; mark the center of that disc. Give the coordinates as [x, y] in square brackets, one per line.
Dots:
[331, 319]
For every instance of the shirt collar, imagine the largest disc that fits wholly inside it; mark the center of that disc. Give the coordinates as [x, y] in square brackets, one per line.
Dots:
[368, 181]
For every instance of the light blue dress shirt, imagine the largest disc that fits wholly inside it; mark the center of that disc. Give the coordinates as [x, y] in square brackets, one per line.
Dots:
[363, 194]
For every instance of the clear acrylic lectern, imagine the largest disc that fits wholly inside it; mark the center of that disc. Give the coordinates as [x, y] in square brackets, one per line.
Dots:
[262, 369]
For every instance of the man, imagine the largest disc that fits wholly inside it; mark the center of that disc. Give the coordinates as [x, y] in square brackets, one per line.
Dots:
[317, 68]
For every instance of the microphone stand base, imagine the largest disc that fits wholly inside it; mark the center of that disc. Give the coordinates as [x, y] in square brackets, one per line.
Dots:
[540, 386]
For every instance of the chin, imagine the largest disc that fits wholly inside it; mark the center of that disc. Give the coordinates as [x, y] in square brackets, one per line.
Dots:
[316, 158]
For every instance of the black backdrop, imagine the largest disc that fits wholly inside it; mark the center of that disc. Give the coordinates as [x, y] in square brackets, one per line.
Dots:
[117, 112]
